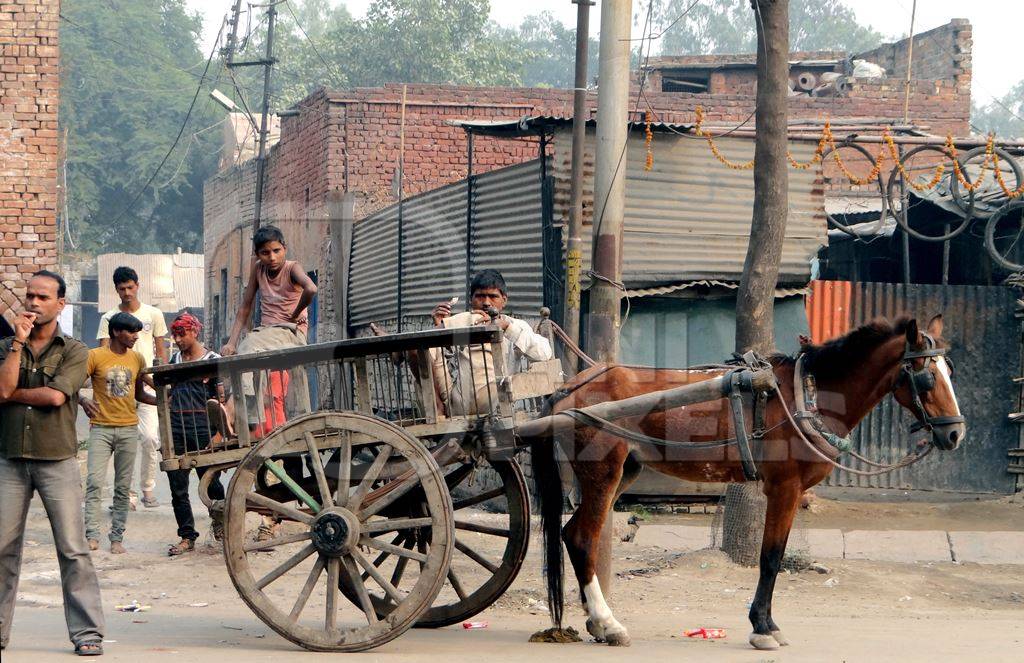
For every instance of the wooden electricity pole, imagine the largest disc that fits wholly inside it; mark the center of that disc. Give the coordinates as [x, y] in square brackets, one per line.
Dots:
[743, 521]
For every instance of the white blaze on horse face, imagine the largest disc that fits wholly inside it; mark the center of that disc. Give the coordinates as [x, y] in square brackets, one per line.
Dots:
[599, 612]
[940, 363]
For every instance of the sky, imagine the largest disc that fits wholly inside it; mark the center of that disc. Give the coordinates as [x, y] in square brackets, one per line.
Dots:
[996, 23]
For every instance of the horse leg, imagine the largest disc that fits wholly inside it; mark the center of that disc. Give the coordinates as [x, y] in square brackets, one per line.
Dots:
[783, 499]
[599, 482]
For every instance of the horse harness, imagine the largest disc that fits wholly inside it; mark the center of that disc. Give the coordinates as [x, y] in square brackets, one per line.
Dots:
[922, 382]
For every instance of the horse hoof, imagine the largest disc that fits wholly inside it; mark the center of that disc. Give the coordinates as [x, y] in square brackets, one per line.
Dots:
[763, 642]
[781, 639]
[620, 639]
[595, 631]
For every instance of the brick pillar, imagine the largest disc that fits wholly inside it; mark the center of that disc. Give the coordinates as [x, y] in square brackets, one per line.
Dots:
[29, 63]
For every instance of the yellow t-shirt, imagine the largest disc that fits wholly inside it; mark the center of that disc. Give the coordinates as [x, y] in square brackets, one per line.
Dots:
[113, 384]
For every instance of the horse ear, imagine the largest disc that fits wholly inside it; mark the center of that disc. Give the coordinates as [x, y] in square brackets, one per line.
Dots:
[913, 334]
[935, 326]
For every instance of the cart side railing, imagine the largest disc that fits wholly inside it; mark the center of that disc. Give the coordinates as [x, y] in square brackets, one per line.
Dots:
[415, 380]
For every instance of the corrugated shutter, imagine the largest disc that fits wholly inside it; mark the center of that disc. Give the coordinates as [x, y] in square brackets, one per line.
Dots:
[507, 210]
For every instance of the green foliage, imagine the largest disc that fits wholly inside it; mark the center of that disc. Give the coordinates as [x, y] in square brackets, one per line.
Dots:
[129, 70]
[727, 26]
[1004, 116]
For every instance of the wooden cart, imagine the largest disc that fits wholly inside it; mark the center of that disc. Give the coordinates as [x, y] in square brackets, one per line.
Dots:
[371, 477]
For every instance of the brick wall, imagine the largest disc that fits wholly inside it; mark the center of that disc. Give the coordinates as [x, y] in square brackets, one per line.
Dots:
[29, 64]
[942, 53]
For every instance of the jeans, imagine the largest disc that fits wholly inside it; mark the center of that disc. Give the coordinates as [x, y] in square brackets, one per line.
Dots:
[178, 479]
[60, 489]
[121, 442]
[149, 446]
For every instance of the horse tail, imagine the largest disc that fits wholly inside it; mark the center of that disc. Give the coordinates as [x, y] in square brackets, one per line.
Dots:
[548, 490]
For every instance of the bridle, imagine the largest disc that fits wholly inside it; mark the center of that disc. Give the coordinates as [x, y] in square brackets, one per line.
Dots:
[921, 382]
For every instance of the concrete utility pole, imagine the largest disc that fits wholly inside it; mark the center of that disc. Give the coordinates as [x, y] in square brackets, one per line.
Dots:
[609, 208]
[609, 180]
[574, 243]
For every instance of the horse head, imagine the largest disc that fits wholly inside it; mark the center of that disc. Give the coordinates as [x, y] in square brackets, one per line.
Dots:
[925, 386]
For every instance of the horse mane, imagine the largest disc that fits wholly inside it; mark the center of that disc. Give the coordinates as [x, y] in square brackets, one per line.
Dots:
[833, 358]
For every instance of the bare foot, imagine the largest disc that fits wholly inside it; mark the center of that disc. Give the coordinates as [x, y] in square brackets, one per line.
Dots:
[116, 548]
[94, 544]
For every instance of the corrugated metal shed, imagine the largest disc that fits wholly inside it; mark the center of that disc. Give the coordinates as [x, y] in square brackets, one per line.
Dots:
[506, 221]
[170, 282]
[984, 345]
[689, 217]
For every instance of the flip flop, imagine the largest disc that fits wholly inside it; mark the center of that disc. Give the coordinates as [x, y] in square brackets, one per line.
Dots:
[91, 648]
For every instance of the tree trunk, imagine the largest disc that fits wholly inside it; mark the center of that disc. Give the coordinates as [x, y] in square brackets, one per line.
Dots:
[755, 301]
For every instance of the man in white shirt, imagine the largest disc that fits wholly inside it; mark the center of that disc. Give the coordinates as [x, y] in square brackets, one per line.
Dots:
[471, 389]
[150, 344]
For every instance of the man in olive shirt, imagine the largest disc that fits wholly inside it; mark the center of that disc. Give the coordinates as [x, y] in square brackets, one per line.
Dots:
[41, 371]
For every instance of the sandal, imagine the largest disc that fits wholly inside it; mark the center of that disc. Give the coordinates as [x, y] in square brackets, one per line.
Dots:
[182, 547]
[150, 502]
[91, 648]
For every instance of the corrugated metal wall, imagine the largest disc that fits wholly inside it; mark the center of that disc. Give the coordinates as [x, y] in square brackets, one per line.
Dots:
[984, 345]
[507, 228]
[689, 217]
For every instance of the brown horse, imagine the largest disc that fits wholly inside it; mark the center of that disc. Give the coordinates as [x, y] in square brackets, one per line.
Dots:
[853, 374]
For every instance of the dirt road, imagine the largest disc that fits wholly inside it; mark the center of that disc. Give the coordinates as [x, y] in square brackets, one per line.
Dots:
[873, 611]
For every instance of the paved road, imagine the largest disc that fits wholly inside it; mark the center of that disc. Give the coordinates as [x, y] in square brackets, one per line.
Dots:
[202, 636]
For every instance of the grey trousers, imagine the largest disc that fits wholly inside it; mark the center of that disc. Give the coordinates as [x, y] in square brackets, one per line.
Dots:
[121, 442]
[60, 489]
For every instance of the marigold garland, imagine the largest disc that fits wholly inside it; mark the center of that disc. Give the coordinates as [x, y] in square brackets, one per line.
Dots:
[648, 139]
[888, 148]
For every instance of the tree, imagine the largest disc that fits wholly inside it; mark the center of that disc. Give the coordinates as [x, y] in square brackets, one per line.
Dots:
[129, 73]
[727, 26]
[1004, 116]
[549, 48]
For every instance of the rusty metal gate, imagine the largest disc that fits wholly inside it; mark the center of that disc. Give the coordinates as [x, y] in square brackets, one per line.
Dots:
[985, 346]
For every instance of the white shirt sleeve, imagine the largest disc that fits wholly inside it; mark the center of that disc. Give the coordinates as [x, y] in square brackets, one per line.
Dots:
[103, 331]
[529, 342]
[159, 325]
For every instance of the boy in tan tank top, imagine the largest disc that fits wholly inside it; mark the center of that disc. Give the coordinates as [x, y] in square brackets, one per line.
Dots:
[285, 293]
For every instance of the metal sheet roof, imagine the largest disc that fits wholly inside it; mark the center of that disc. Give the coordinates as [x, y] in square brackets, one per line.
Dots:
[536, 124]
[689, 217]
[169, 282]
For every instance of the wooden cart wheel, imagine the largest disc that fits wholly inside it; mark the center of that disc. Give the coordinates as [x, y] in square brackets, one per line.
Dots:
[334, 521]
[499, 549]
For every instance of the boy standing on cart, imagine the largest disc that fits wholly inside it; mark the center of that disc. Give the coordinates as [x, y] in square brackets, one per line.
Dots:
[286, 291]
[190, 431]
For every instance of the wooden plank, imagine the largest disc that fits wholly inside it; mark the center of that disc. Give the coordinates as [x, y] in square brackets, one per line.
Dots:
[241, 416]
[163, 411]
[363, 402]
[426, 385]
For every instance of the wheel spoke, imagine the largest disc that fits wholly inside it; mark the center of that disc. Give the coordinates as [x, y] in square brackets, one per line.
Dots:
[360, 588]
[456, 585]
[475, 556]
[380, 559]
[307, 589]
[318, 471]
[356, 499]
[396, 575]
[457, 476]
[477, 499]
[277, 507]
[331, 618]
[278, 541]
[482, 529]
[344, 469]
[388, 588]
[389, 493]
[395, 524]
[286, 566]
[291, 485]
[392, 549]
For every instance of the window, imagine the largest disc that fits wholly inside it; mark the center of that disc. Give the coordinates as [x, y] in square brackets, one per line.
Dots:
[685, 80]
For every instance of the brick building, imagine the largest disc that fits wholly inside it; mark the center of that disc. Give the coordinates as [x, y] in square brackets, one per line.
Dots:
[29, 64]
[342, 149]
